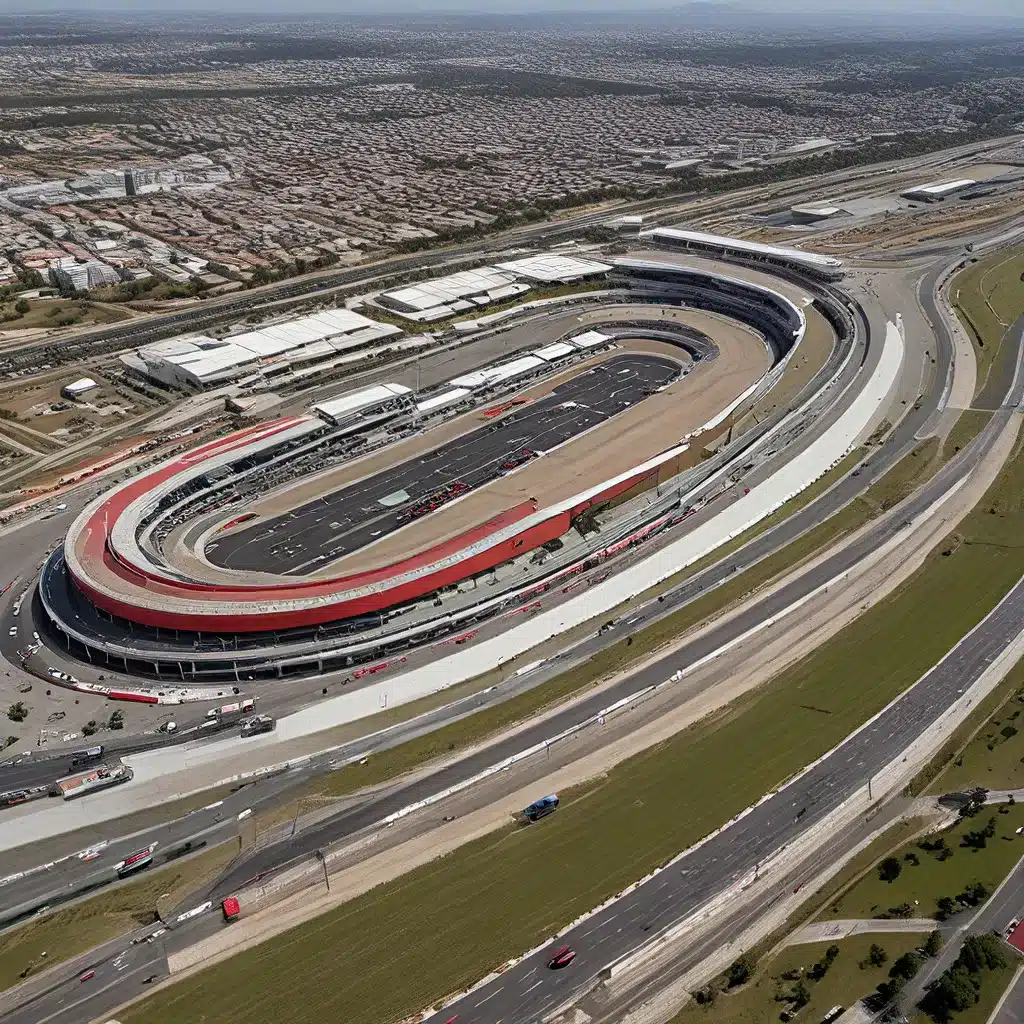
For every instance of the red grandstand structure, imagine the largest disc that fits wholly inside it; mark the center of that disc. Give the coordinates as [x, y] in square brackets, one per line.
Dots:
[120, 582]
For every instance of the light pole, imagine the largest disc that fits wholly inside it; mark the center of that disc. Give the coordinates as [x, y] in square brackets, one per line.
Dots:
[323, 860]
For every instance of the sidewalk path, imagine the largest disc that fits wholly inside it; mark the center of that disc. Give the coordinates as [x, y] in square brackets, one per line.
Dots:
[823, 931]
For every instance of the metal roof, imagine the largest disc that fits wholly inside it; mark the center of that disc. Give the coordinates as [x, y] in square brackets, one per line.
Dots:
[549, 267]
[355, 401]
[552, 353]
[590, 339]
[741, 245]
[446, 398]
[938, 188]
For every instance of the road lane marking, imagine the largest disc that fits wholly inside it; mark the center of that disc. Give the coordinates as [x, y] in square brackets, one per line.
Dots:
[491, 996]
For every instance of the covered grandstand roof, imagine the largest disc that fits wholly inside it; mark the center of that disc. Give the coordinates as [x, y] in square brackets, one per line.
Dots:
[590, 339]
[552, 353]
[552, 267]
[357, 401]
[779, 252]
[443, 400]
[491, 375]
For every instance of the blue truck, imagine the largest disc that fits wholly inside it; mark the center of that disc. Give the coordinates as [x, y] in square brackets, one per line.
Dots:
[541, 808]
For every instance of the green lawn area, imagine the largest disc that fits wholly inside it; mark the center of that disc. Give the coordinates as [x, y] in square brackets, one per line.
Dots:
[52, 313]
[914, 469]
[922, 884]
[989, 296]
[409, 943]
[991, 757]
[993, 985]
[846, 981]
[66, 933]
[970, 424]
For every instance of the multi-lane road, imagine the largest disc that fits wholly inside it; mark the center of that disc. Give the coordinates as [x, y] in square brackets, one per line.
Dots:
[817, 793]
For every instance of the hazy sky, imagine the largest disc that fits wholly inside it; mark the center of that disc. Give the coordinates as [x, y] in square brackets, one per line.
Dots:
[991, 8]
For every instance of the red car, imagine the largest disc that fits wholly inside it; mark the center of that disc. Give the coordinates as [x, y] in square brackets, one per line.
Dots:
[561, 957]
[88, 976]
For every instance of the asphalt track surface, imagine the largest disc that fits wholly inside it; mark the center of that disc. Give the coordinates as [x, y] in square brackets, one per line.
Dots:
[818, 791]
[327, 528]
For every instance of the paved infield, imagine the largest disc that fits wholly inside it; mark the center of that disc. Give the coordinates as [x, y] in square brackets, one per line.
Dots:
[330, 527]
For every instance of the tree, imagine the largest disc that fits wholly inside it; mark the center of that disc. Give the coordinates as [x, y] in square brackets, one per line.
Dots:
[876, 955]
[801, 994]
[933, 944]
[906, 966]
[954, 991]
[116, 720]
[889, 870]
[980, 951]
[946, 907]
[17, 712]
[740, 971]
[889, 990]
[22, 306]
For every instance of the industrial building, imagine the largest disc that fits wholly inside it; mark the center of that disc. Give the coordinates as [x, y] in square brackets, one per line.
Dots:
[200, 361]
[75, 275]
[443, 297]
[77, 388]
[936, 191]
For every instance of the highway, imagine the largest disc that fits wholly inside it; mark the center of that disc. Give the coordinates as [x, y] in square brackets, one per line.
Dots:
[323, 530]
[529, 990]
[909, 719]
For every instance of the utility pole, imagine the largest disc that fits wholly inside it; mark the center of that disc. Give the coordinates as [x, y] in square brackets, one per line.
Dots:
[323, 860]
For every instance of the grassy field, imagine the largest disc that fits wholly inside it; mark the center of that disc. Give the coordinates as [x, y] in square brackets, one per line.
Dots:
[501, 894]
[985, 755]
[989, 296]
[922, 884]
[848, 979]
[66, 933]
[55, 313]
[970, 424]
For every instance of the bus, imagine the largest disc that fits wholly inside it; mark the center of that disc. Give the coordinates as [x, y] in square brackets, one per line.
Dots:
[88, 756]
[541, 808]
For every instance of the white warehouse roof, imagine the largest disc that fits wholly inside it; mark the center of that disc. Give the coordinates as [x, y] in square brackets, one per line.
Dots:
[590, 339]
[443, 291]
[80, 386]
[441, 401]
[355, 401]
[552, 267]
[517, 368]
[940, 188]
[553, 353]
[741, 245]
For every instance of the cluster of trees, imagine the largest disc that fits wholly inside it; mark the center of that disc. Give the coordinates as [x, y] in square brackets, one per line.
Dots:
[972, 896]
[268, 275]
[977, 839]
[957, 989]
